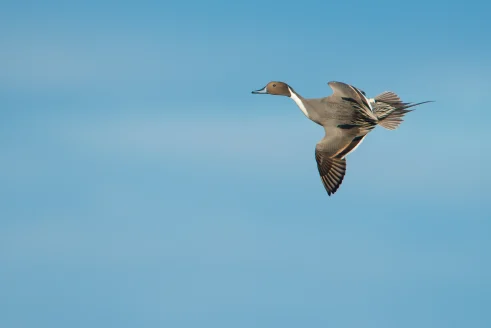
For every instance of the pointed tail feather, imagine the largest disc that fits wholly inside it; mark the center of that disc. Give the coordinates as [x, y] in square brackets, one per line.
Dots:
[390, 110]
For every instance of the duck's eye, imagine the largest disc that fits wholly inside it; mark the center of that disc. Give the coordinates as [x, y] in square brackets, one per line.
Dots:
[274, 85]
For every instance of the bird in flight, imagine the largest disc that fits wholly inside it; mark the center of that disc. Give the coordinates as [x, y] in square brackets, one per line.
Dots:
[347, 117]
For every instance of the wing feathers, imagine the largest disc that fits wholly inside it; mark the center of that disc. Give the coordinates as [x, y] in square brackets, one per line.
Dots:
[331, 171]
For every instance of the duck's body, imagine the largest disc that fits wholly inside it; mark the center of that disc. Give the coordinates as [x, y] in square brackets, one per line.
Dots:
[347, 117]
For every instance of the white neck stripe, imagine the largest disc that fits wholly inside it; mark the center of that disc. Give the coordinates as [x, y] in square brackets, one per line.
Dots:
[299, 102]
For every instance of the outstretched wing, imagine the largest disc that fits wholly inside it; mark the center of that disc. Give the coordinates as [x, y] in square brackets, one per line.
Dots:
[330, 154]
[350, 97]
[331, 166]
[343, 91]
[331, 171]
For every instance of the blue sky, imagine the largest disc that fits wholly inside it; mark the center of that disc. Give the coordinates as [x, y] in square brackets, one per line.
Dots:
[142, 185]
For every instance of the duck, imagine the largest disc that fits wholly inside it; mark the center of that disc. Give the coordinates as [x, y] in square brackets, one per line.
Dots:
[347, 116]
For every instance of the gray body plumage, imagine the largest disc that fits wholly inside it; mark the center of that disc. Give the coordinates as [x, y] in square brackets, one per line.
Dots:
[347, 117]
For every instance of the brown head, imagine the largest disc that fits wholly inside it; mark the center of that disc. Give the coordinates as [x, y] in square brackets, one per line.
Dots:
[275, 88]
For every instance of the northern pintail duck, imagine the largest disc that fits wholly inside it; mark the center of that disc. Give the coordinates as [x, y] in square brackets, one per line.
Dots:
[347, 117]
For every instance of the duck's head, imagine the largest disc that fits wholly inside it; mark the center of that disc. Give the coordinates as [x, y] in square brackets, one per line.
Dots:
[275, 88]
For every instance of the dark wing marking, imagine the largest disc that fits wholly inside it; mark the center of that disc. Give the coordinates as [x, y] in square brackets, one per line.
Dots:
[332, 167]
[331, 171]
[363, 115]
[347, 126]
[354, 143]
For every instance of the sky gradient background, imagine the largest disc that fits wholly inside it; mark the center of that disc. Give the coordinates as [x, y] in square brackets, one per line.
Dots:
[142, 185]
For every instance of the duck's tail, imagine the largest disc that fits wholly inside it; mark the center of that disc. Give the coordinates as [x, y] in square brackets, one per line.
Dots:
[390, 110]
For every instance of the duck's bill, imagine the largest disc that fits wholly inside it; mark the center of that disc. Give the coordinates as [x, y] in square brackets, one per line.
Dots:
[260, 91]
